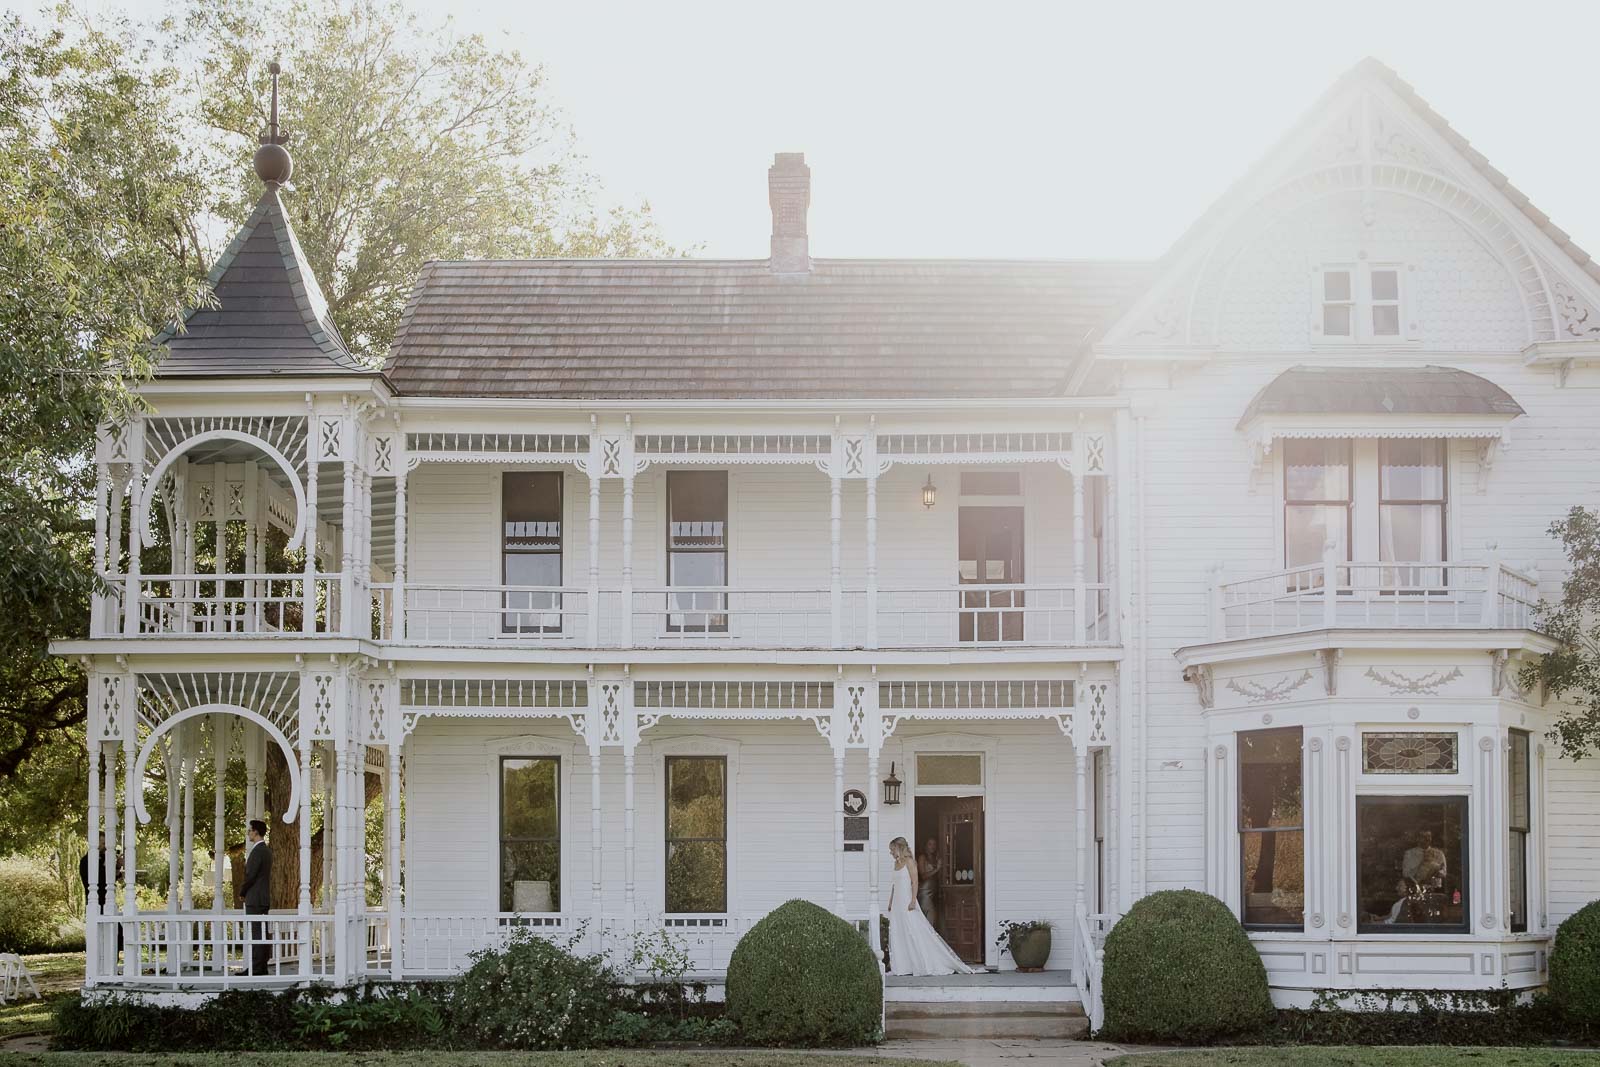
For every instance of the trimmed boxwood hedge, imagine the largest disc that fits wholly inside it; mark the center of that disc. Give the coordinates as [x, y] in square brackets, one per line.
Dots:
[1575, 966]
[1180, 968]
[804, 976]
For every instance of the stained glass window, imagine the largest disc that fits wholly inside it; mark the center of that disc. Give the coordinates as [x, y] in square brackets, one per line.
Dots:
[1409, 753]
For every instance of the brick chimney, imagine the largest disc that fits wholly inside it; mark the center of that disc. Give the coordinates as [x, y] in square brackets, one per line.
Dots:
[789, 192]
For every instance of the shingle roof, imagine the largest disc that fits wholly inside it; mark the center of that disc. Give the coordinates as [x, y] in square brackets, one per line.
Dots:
[271, 317]
[592, 329]
[1379, 391]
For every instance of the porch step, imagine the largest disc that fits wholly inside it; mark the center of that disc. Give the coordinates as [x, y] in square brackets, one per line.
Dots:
[943, 1020]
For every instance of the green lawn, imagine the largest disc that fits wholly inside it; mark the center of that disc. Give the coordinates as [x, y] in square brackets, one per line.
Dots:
[1311, 1056]
[460, 1059]
[58, 976]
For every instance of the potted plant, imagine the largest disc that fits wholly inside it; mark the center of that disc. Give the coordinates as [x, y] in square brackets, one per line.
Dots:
[1028, 942]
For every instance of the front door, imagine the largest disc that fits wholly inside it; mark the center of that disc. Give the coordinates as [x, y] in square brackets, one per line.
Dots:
[961, 876]
[990, 547]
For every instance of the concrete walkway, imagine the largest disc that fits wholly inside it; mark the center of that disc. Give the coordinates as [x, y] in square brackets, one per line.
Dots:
[1001, 1053]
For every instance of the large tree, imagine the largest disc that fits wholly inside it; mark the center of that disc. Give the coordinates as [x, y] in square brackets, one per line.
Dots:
[410, 143]
[1572, 672]
[97, 250]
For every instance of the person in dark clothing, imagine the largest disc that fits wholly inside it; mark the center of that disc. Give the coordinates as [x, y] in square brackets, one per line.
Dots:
[107, 881]
[257, 891]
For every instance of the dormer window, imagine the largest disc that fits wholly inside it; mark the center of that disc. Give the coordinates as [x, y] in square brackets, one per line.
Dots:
[1359, 303]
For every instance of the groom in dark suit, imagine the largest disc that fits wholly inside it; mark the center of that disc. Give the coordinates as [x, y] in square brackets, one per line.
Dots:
[257, 891]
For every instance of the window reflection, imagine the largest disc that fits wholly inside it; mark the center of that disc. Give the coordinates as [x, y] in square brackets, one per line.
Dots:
[1411, 863]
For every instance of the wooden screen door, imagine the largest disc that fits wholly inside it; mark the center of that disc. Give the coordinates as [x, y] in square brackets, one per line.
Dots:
[961, 877]
[991, 554]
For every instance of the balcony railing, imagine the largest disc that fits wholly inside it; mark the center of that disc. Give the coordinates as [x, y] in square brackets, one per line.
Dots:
[232, 604]
[1340, 595]
[713, 617]
[956, 616]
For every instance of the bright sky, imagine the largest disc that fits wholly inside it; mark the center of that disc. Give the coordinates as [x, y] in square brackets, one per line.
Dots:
[987, 129]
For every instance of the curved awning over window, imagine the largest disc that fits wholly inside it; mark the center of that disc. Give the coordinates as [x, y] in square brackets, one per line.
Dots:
[1381, 391]
[1389, 402]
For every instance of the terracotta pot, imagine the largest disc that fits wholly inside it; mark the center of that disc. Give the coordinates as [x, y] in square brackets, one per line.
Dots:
[1030, 948]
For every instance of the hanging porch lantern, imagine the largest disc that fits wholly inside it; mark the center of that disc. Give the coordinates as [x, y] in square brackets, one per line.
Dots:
[891, 788]
[930, 493]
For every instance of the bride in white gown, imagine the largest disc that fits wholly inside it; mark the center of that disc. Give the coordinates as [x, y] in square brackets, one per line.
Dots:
[915, 947]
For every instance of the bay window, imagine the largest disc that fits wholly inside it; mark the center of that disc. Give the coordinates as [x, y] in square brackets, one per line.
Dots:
[1520, 824]
[1272, 848]
[1411, 864]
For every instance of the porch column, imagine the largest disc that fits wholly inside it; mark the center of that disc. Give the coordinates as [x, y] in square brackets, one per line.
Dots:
[397, 609]
[872, 558]
[347, 539]
[394, 883]
[343, 758]
[219, 770]
[191, 757]
[330, 825]
[113, 558]
[91, 902]
[97, 602]
[112, 844]
[130, 855]
[596, 853]
[131, 582]
[303, 904]
[627, 557]
[1079, 594]
[219, 516]
[308, 591]
[1080, 765]
[835, 574]
[593, 472]
[627, 835]
[836, 806]
[873, 862]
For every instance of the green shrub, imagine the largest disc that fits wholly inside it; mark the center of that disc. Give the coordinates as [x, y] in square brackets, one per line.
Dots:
[31, 906]
[532, 994]
[236, 1020]
[803, 976]
[1575, 966]
[1180, 968]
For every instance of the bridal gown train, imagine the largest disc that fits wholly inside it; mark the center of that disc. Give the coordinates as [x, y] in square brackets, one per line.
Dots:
[915, 947]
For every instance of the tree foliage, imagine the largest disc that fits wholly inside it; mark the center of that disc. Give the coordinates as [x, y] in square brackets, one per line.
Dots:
[98, 250]
[1572, 672]
[410, 143]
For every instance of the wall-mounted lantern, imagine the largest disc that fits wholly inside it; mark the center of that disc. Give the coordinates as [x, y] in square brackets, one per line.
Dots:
[930, 493]
[891, 788]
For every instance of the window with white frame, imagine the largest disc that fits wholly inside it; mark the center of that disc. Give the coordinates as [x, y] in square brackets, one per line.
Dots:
[1520, 824]
[1272, 849]
[1385, 501]
[1359, 303]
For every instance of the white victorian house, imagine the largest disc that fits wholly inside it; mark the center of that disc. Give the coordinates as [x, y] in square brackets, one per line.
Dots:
[650, 594]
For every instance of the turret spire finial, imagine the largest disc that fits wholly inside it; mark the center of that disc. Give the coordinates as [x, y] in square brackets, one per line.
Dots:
[273, 163]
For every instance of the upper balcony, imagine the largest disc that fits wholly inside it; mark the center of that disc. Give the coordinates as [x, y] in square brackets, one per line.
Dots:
[1336, 594]
[578, 541]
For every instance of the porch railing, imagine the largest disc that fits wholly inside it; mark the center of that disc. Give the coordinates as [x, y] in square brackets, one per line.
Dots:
[213, 950]
[443, 944]
[232, 604]
[1088, 965]
[1336, 594]
[954, 616]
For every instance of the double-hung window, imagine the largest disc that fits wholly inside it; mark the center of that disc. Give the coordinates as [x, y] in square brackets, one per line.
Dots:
[1521, 825]
[1384, 502]
[1358, 303]
[1272, 848]
[1317, 505]
[531, 551]
[530, 834]
[1411, 512]
[697, 834]
[697, 551]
